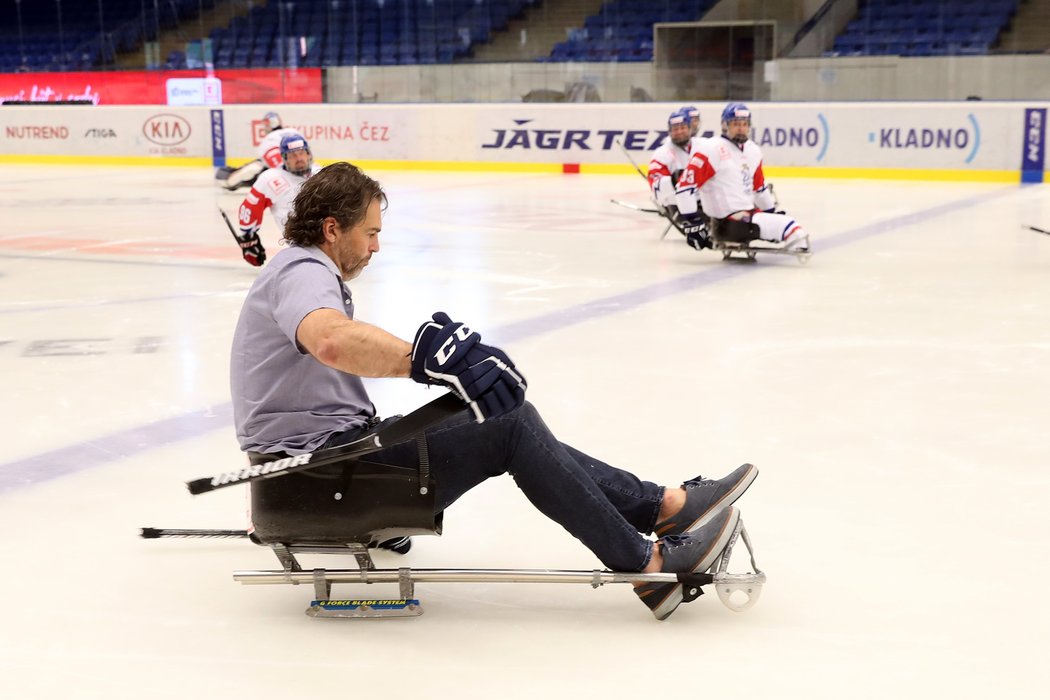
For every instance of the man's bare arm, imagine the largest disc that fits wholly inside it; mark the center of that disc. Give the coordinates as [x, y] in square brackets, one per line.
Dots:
[353, 346]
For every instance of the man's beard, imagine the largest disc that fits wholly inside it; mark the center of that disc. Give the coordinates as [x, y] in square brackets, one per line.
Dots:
[357, 269]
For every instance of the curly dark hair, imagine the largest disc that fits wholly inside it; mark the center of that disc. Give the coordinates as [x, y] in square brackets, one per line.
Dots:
[341, 191]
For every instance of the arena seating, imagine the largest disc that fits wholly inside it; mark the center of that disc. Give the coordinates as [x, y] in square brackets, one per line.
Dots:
[623, 30]
[924, 27]
[299, 33]
[360, 32]
[71, 36]
[399, 32]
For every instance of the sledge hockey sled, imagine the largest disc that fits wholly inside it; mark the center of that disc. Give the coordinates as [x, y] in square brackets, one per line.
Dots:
[337, 501]
[729, 243]
[728, 246]
[739, 237]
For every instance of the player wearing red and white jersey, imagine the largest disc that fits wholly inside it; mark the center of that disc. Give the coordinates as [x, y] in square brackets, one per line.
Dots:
[726, 174]
[269, 150]
[275, 190]
[670, 159]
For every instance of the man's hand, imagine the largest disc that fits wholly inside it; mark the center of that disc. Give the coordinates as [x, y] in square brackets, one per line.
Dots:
[252, 249]
[449, 353]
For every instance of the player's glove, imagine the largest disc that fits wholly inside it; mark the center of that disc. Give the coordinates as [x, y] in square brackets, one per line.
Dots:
[694, 226]
[449, 353]
[698, 239]
[252, 249]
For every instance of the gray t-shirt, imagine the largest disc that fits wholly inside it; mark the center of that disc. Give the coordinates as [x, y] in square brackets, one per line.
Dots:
[284, 400]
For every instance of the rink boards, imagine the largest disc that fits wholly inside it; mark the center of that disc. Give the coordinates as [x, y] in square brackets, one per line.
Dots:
[986, 141]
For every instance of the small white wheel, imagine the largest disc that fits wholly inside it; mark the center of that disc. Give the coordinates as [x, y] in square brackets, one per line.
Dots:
[738, 597]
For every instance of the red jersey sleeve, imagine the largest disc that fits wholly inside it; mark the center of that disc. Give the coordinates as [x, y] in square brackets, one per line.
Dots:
[657, 170]
[696, 173]
[251, 212]
[760, 177]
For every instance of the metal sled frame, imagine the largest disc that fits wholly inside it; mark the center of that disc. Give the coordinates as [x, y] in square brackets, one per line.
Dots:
[745, 250]
[727, 248]
[730, 587]
[400, 513]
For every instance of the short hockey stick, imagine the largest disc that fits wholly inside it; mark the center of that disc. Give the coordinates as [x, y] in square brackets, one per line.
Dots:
[415, 422]
[628, 154]
[233, 231]
[152, 533]
[1039, 230]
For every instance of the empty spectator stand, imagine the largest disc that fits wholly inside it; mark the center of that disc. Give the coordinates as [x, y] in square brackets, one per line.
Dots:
[924, 28]
[68, 35]
[360, 32]
[623, 30]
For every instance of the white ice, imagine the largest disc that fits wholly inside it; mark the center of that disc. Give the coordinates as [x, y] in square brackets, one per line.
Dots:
[895, 394]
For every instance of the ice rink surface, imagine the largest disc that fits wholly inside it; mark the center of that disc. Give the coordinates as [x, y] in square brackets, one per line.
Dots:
[894, 392]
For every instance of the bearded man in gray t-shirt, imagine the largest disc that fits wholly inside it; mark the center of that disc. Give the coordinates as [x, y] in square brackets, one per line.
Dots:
[296, 366]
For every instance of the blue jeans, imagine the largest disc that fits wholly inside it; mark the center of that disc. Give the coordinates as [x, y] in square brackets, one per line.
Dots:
[604, 507]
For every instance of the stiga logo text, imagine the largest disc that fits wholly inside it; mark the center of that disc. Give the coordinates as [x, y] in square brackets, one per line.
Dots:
[524, 138]
[100, 134]
[166, 129]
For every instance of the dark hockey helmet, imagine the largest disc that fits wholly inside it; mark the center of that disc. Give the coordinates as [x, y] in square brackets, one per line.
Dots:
[675, 122]
[295, 142]
[693, 112]
[732, 112]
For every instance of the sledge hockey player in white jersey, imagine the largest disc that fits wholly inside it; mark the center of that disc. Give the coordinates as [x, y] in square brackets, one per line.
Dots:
[269, 151]
[670, 159]
[726, 174]
[275, 189]
[666, 166]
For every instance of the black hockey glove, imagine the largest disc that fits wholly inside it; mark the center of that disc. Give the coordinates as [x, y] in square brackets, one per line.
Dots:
[698, 240]
[450, 354]
[252, 249]
[694, 226]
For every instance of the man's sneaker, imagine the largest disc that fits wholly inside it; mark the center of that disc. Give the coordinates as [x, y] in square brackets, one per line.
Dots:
[704, 498]
[696, 552]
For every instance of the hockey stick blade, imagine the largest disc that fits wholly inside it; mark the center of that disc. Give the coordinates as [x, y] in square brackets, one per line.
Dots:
[1039, 230]
[415, 422]
[636, 207]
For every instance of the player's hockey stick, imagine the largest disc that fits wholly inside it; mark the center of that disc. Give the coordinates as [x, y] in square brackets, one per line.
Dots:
[628, 154]
[1039, 230]
[233, 231]
[636, 207]
[152, 533]
[671, 223]
[415, 422]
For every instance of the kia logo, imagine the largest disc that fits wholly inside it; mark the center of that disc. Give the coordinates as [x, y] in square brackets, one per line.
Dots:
[166, 129]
